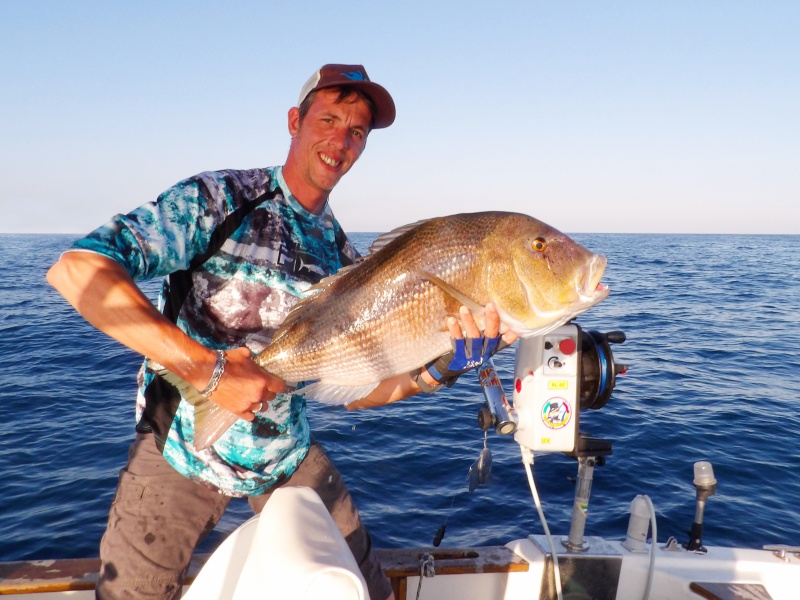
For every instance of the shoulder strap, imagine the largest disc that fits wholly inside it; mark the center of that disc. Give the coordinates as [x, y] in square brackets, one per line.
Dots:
[341, 244]
[180, 282]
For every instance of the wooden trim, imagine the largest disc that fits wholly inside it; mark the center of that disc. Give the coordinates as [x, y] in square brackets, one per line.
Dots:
[61, 575]
[400, 564]
[405, 562]
[730, 591]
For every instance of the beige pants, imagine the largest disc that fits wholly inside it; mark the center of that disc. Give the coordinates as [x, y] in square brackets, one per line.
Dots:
[159, 516]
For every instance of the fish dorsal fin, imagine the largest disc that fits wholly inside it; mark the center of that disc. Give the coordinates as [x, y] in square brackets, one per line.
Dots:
[292, 317]
[475, 307]
[386, 238]
[324, 283]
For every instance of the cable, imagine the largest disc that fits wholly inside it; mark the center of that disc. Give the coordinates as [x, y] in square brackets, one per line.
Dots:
[651, 569]
[527, 460]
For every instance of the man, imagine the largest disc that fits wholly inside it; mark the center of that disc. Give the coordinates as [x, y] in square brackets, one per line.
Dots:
[237, 249]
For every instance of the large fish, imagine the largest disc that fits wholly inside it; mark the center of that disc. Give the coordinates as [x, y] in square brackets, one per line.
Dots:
[386, 315]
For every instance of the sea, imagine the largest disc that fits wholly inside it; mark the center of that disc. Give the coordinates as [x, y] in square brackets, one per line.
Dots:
[713, 355]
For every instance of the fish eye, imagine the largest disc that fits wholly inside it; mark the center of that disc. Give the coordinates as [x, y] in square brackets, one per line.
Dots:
[539, 244]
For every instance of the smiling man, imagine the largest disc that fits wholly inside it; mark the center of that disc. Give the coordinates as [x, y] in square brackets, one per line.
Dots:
[236, 249]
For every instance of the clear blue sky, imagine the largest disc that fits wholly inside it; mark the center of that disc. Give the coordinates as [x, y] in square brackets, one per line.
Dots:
[671, 116]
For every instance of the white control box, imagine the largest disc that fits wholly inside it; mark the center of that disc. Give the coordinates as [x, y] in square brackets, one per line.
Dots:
[546, 390]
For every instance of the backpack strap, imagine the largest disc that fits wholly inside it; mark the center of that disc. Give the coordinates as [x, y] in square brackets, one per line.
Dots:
[341, 244]
[180, 282]
[161, 397]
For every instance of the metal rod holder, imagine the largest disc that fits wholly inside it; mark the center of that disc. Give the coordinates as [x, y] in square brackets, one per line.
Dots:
[503, 416]
[580, 507]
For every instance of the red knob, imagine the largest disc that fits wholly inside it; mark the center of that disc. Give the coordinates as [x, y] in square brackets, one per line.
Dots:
[567, 346]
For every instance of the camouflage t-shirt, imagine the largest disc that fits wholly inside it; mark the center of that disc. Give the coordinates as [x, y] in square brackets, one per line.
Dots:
[239, 296]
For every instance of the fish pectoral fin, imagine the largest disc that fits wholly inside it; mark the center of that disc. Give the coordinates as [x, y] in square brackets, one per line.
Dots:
[334, 393]
[210, 419]
[476, 308]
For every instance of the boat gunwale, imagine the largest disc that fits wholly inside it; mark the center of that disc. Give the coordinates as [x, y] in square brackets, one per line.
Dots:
[80, 574]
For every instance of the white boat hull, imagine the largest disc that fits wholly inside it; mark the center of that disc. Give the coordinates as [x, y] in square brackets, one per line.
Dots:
[465, 574]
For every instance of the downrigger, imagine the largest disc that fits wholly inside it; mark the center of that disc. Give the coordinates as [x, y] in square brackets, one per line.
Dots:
[556, 375]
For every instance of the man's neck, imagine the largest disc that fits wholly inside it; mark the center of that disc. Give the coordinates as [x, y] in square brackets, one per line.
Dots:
[310, 198]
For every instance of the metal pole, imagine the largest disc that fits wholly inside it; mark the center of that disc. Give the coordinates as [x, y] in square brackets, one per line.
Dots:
[580, 508]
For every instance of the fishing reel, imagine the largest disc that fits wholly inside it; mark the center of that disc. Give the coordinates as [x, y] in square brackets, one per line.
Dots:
[556, 375]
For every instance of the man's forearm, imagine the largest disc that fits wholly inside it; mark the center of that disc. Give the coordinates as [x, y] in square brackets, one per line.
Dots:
[108, 298]
[391, 390]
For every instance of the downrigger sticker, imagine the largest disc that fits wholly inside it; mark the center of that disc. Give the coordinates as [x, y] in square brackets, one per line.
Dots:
[556, 413]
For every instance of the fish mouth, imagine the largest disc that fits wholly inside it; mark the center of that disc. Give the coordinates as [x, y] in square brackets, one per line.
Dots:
[589, 288]
[589, 291]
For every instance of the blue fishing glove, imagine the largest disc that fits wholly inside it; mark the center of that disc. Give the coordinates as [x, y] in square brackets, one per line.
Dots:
[467, 354]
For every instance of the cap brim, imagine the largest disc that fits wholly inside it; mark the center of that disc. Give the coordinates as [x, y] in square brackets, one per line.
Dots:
[384, 105]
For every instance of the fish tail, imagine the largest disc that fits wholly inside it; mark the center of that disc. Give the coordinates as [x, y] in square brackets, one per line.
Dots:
[210, 419]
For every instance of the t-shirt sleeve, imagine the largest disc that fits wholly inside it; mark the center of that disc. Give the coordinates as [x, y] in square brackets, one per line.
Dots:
[161, 237]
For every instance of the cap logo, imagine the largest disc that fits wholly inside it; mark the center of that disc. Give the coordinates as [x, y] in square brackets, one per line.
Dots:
[355, 76]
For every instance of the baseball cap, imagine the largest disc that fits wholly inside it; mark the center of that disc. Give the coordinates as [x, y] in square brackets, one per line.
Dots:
[356, 76]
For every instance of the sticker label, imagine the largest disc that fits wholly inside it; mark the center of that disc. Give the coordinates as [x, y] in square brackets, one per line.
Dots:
[558, 385]
[556, 413]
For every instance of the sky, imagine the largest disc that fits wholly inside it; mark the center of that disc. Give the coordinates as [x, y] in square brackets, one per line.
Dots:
[595, 117]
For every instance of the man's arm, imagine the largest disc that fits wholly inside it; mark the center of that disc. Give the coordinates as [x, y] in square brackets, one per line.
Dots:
[403, 386]
[108, 298]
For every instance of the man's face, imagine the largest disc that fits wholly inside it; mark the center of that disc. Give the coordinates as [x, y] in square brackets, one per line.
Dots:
[328, 142]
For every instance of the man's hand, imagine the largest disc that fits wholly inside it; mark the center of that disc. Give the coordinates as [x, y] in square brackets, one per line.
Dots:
[409, 384]
[470, 328]
[471, 348]
[245, 388]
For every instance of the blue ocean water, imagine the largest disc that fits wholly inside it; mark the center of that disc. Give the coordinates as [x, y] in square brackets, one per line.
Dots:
[714, 354]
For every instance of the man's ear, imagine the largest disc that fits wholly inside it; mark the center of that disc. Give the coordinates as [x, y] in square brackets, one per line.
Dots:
[294, 121]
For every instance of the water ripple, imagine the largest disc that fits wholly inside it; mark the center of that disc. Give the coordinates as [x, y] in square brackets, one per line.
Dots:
[714, 375]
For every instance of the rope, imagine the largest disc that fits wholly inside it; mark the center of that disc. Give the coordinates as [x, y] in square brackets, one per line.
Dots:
[426, 569]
